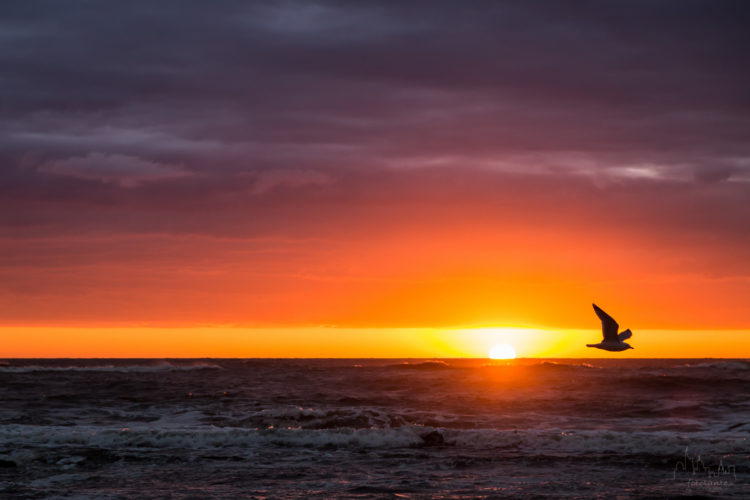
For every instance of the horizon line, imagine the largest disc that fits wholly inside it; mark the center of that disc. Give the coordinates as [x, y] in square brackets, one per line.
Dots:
[368, 358]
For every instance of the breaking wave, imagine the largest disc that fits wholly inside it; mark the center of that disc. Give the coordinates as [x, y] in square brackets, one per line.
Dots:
[528, 442]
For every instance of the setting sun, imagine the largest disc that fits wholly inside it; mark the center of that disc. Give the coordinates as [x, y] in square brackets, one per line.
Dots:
[502, 351]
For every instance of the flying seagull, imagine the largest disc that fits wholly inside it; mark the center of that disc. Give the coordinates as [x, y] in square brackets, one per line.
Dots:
[612, 341]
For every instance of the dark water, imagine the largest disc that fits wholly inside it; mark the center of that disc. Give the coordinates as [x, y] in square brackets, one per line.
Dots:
[374, 429]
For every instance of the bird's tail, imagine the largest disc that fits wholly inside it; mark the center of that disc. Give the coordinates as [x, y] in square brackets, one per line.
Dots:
[590, 345]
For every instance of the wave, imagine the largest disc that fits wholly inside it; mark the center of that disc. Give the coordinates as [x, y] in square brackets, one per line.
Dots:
[564, 366]
[136, 368]
[735, 365]
[315, 418]
[541, 366]
[663, 383]
[422, 365]
[527, 442]
[293, 412]
[205, 437]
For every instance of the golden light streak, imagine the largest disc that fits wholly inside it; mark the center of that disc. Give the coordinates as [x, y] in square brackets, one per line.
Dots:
[229, 341]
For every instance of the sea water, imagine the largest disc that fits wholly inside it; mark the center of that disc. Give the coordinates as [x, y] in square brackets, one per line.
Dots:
[347, 428]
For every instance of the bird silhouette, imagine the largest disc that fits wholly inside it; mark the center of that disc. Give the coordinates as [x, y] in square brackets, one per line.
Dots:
[612, 340]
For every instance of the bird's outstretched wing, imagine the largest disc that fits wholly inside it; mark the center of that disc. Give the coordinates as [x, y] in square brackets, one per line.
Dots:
[625, 335]
[609, 325]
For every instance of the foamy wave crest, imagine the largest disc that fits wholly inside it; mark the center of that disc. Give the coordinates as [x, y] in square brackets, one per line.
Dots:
[527, 443]
[317, 418]
[293, 412]
[137, 368]
[206, 437]
[422, 365]
[736, 365]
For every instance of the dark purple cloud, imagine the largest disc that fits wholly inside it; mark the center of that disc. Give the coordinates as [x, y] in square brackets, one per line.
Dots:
[243, 86]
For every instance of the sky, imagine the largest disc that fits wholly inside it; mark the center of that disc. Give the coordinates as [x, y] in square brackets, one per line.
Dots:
[305, 178]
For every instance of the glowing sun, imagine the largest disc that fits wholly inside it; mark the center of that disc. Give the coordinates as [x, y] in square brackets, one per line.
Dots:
[502, 351]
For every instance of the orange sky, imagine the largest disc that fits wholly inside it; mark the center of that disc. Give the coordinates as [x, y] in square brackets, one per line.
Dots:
[434, 278]
[401, 293]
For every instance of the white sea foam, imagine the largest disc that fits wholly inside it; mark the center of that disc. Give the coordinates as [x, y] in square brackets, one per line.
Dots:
[200, 437]
[321, 415]
[294, 412]
[556, 441]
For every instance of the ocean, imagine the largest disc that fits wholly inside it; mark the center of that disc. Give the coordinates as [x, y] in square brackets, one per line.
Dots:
[374, 428]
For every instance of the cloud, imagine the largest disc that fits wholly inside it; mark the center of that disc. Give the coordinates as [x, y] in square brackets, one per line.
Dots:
[713, 173]
[127, 171]
[270, 179]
